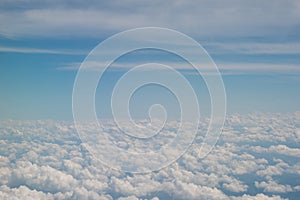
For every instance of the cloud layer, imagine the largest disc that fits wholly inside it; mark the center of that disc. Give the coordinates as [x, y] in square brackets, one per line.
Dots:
[257, 157]
[204, 18]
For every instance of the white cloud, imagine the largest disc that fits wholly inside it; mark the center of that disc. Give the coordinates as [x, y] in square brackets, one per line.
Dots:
[273, 170]
[22, 192]
[203, 18]
[225, 68]
[255, 48]
[279, 149]
[42, 178]
[235, 186]
[273, 186]
[39, 51]
[182, 190]
[258, 196]
[47, 162]
[128, 198]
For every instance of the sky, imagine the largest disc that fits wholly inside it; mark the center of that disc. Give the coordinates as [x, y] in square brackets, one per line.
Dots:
[49, 151]
[255, 44]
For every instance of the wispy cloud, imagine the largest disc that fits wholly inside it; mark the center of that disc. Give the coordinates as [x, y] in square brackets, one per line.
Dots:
[40, 51]
[214, 48]
[224, 68]
[204, 18]
[255, 48]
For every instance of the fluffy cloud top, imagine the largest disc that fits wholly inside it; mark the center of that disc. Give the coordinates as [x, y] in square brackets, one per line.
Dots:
[255, 158]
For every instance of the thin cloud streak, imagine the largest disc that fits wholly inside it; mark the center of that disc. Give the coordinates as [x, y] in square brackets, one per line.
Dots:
[213, 48]
[225, 68]
[40, 51]
[254, 48]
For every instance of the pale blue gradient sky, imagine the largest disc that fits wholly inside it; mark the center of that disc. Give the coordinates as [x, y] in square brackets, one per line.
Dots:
[256, 46]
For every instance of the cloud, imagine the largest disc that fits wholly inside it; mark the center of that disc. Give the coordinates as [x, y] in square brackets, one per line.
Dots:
[38, 51]
[128, 198]
[223, 29]
[42, 178]
[258, 196]
[182, 190]
[274, 187]
[46, 160]
[22, 192]
[204, 18]
[279, 149]
[254, 48]
[223, 67]
[235, 186]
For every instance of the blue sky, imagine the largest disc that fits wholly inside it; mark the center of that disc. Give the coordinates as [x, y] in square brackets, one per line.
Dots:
[255, 44]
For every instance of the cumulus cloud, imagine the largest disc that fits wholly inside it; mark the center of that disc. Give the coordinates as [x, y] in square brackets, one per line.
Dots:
[258, 196]
[22, 192]
[273, 186]
[255, 158]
